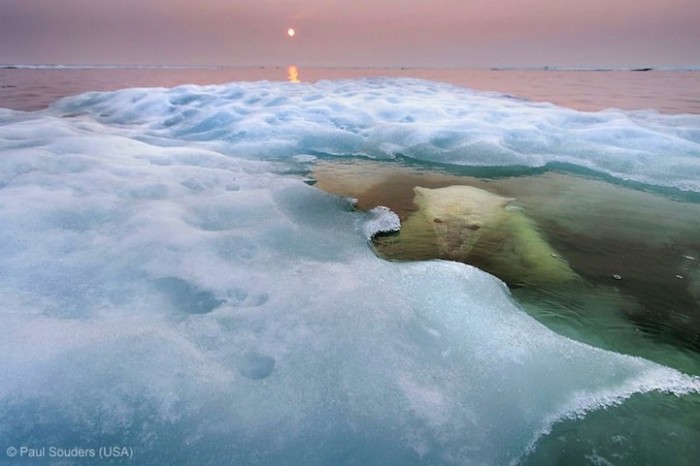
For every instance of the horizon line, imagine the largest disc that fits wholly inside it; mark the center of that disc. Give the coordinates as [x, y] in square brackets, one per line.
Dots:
[549, 67]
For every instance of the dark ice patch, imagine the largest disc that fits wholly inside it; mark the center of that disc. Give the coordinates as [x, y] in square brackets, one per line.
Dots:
[256, 366]
[186, 297]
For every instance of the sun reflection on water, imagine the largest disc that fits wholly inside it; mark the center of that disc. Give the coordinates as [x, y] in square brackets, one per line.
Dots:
[293, 74]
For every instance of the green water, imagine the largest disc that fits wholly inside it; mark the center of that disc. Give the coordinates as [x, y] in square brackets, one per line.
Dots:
[650, 429]
[637, 253]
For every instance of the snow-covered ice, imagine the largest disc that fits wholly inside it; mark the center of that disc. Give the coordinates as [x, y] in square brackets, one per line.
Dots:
[423, 120]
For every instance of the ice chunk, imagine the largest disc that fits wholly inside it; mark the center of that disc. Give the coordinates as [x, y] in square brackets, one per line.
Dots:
[381, 220]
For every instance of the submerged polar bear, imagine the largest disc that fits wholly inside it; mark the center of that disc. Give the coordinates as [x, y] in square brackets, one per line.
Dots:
[477, 227]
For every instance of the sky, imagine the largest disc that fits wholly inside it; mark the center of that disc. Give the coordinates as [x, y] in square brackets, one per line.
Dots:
[423, 33]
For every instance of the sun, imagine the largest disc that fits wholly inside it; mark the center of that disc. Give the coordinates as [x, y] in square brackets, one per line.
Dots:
[291, 32]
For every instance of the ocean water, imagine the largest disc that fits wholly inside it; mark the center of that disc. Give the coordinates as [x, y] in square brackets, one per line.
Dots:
[207, 271]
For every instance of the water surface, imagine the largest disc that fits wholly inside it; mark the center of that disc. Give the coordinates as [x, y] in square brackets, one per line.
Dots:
[664, 91]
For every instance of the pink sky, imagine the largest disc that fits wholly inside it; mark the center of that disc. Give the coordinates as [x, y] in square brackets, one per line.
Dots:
[472, 33]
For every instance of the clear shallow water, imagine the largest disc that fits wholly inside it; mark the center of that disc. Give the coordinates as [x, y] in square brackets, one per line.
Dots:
[664, 432]
[171, 282]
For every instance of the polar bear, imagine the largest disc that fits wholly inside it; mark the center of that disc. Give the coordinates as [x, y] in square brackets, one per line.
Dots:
[477, 227]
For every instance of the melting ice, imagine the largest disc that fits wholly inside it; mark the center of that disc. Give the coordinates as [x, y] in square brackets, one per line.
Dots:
[427, 121]
[168, 284]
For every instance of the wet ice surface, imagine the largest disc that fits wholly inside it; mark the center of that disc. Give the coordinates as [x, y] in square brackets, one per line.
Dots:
[160, 291]
[422, 120]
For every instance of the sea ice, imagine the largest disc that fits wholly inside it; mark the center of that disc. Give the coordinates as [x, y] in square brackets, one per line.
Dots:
[423, 120]
[383, 220]
[164, 290]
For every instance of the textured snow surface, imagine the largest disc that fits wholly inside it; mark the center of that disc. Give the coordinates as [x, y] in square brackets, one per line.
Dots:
[423, 120]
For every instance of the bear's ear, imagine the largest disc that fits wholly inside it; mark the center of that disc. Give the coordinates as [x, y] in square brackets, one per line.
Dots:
[507, 201]
[420, 191]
